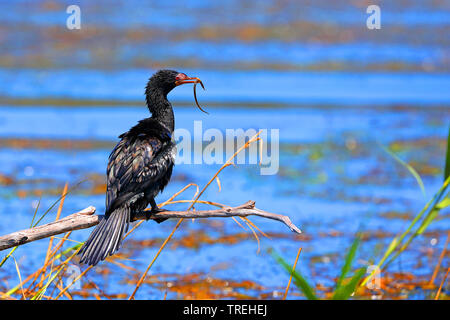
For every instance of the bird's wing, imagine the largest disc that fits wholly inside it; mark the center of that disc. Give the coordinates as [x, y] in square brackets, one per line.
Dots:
[131, 168]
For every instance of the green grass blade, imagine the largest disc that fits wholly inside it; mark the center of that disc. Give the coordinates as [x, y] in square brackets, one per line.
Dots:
[304, 286]
[7, 256]
[344, 292]
[429, 207]
[348, 260]
[14, 249]
[20, 277]
[35, 212]
[57, 201]
[41, 292]
[58, 256]
[408, 167]
[426, 222]
[40, 219]
[443, 204]
[447, 158]
[61, 267]
[429, 217]
[300, 282]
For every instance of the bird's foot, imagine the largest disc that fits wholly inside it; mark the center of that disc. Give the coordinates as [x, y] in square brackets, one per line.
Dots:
[155, 210]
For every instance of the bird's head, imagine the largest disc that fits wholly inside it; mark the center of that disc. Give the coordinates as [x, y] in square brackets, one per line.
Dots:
[165, 81]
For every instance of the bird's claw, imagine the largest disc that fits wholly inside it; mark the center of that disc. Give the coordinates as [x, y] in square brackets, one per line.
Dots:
[153, 211]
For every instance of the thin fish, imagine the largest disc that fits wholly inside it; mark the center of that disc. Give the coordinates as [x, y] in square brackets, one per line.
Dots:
[195, 95]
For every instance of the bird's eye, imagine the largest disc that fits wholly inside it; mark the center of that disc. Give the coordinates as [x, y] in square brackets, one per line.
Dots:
[180, 76]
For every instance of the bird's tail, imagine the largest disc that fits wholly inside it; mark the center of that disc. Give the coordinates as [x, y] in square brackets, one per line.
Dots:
[107, 237]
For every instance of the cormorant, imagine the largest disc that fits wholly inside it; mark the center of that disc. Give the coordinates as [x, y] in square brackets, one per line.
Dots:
[139, 167]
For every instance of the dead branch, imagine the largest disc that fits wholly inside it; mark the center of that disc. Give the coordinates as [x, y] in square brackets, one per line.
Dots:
[85, 219]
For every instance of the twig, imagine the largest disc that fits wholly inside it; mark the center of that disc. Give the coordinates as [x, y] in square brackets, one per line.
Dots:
[292, 273]
[442, 284]
[50, 243]
[141, 279]
[441, 257]
[80, 220]
[86, 219]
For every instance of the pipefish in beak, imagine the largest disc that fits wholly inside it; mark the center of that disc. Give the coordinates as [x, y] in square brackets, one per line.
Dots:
[182, 78]
[195, 94]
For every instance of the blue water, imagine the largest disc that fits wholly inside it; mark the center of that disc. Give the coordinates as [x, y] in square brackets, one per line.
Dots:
[336, 91]
[257, 86]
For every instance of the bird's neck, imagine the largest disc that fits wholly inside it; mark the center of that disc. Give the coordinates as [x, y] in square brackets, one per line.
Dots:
[160, 108]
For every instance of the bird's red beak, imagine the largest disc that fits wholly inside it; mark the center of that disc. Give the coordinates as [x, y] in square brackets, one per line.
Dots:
[183, 79]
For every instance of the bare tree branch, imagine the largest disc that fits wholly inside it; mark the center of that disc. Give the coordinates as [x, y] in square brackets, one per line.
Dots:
[85, 219]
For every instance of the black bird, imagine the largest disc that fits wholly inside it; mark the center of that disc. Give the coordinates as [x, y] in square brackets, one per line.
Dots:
[139, 167]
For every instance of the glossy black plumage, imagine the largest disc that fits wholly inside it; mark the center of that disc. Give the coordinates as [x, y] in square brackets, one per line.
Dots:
[139, 167]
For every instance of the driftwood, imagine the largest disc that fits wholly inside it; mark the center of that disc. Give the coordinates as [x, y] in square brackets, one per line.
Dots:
[85, 219]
